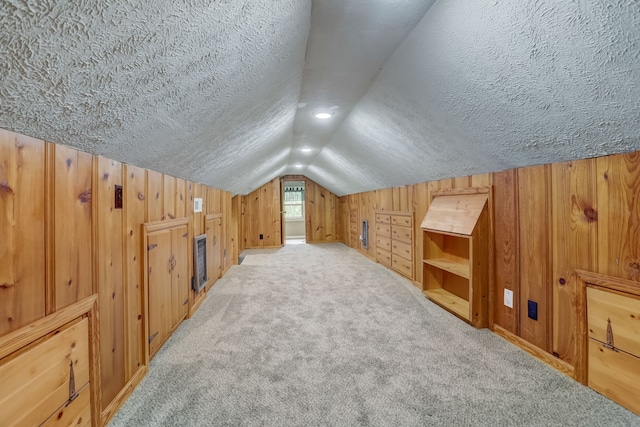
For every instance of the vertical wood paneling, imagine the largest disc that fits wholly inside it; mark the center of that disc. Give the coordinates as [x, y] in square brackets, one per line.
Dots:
[109, 246]
[395, 197]
[420, 206]
[462, 182]
[507, 258]
[320, 213]
[619, 215]
[181, 198]
[22, 247]
[403, 199]
[169, 197]
[384, 199]
[135, 213]
[154, 195]
[235, 227]
[262, 216]
[535, 253]
[72, 199]
[214, 200]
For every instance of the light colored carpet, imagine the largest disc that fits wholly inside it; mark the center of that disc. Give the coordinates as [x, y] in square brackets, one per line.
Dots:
[322, 336]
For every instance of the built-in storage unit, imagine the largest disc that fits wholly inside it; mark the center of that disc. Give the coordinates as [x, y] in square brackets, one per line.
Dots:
[353, 229]
[213, 230]
[613, 323]
[166, 278]
[456, 243]
[49, 371]
[394, 241]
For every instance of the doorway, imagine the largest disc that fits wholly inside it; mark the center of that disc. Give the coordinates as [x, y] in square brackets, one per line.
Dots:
[294, 212]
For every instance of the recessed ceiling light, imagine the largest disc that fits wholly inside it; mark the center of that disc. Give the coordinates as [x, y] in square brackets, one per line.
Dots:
[305, 150]
[299, 166]
[322, 115]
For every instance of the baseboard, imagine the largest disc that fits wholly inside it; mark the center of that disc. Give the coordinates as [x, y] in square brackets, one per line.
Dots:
[196, 304]
[123, 395]
[417, 285]
[536, 352]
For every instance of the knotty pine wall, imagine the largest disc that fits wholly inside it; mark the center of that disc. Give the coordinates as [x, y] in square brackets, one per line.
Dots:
[63, 240]
[260, 213]
[548, 221]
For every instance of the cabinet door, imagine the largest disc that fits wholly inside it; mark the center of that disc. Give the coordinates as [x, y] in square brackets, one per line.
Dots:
[179, 275]
[214, 249]
[159, 264]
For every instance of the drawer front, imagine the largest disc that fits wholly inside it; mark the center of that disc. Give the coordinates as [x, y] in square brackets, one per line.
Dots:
[77, 413]
[383, 230]
[402, 266]
[383, 257]
[404, 221]
[355, 240]
[619, 312]
[353, 216]
[615, 374]
[353, 227]
[383, 243]
[384, 219]
[402, 249]
[401, 233]
[43, 374]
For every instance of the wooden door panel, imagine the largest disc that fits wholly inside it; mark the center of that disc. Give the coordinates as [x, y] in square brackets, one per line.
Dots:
[159, 255]
[179, 275]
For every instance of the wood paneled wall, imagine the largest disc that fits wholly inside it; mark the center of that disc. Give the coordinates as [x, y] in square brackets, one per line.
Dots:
[64, 239]
[261, 216]
[549, 220]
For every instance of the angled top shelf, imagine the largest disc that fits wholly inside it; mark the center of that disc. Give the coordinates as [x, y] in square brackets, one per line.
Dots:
[455, 213]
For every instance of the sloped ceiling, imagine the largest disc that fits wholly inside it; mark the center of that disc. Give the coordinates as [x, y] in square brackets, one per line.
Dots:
[222, 92]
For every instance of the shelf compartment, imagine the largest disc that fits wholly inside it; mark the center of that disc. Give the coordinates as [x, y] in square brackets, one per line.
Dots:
[449, 301]
[458, 268]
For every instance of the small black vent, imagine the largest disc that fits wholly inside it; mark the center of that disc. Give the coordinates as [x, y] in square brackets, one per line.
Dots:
[365, 234]
[200, 261]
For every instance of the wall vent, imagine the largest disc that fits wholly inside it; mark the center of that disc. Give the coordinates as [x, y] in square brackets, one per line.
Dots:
[200, 262]
[365, 234]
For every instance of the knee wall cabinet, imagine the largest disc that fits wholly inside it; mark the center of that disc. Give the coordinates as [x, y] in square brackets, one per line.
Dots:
[394, 241]
[613, 322]
[456, 243]
[166, 279]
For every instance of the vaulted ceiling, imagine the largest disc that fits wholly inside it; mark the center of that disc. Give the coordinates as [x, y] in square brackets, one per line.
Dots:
[223, 92]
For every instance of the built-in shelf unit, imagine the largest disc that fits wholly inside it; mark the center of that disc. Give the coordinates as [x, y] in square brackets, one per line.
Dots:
[456, 238]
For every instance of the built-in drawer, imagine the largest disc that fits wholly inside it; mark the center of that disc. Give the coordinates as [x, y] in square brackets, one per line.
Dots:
[76, 413]
[45, 374]
[383, 243]
[384, 219]
[617, 313]
[402, 266]
[353, 227]
[383, 257]
[404, 221]
[403, 249]
[353, 216]
[383, 230]
[401, 233]
[355, 240]
[615, 374]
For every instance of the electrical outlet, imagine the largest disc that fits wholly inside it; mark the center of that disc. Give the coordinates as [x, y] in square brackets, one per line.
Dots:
[261, 236]
[532, 309]
[508, 298]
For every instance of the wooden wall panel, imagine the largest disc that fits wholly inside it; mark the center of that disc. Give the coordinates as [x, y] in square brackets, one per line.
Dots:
[22, 233]
[320, 213]
[384, 199]
[262, 216]
[199, 191]
[72, 225]
[169, 197]
[235, 227]
[135, 185]
[181, 198]
[214, 200]
[535, 252]
[420, 206]
[155, 204]
[619, 215]
[507, 258]
[109, 247]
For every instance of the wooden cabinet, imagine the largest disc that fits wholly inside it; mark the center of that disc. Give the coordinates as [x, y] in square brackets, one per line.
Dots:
[394, 241]
[613, 319]
[456, 245]
[213, 230]
[167, 278]
[47, 371]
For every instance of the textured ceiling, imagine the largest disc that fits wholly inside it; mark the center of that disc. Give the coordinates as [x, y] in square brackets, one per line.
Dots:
[221, 92]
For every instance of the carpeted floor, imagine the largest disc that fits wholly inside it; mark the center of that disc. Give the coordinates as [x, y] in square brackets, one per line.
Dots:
[318, 335]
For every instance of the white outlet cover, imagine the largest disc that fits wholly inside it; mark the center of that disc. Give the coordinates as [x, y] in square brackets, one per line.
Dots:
[508, 298]
[197, 205]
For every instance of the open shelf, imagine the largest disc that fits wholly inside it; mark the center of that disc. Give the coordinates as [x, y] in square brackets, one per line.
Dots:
[456, 254]
[458, 268]
[449, 301]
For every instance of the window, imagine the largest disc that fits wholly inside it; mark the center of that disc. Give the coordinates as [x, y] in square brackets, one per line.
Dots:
[294, 203]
